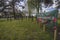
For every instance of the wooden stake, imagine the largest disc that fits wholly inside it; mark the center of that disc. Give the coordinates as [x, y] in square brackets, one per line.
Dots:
[55, 34]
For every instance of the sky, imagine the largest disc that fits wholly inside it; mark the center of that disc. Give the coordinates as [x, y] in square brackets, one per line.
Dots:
[49, 8]
[18, 5]
[22, 3]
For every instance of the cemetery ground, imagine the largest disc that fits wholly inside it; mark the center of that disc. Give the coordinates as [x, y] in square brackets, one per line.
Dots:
[23, 30]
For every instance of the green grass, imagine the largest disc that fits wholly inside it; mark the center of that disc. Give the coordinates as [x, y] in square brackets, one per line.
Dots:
[58, 21]
[22, 30]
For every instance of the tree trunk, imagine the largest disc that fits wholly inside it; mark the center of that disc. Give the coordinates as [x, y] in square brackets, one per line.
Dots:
[14, 9]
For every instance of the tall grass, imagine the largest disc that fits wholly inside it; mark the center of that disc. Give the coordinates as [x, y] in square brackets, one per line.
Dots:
[22, 30]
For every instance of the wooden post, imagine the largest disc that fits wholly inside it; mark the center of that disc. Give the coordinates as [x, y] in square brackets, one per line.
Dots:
[55, 28]
[55, 33]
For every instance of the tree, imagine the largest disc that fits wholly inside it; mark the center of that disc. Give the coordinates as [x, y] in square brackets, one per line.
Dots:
[13, 4]
[29, 8]
[32, 4]
[58, 4]
[35, 4]
[1, 5]
[4, 5]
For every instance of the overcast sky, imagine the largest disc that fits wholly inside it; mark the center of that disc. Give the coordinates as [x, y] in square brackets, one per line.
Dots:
[50, 8]
[18, 5]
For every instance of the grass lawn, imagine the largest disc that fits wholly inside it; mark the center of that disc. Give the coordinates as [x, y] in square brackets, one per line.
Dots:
[22, 30]
[58, 21]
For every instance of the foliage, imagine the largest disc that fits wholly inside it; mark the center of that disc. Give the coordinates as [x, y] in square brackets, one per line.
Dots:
[34, 4]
